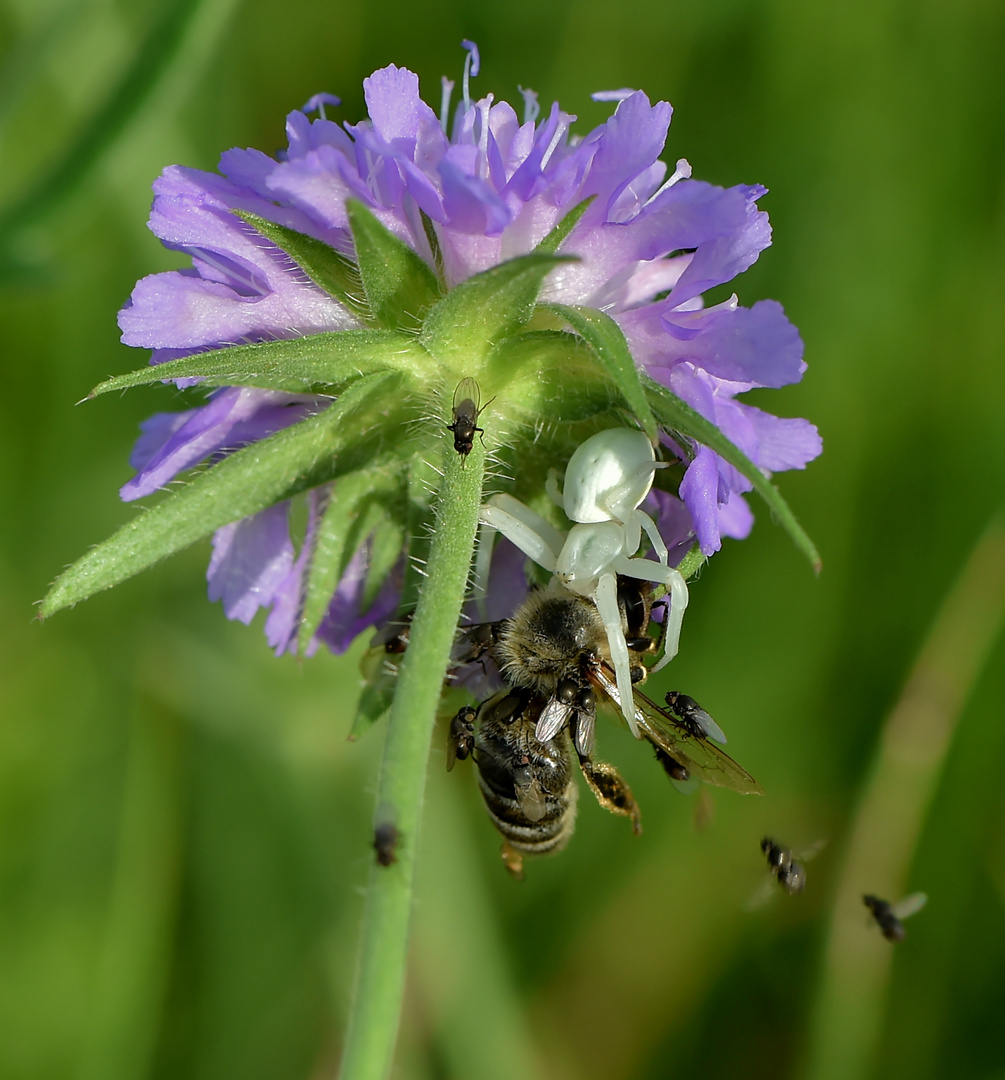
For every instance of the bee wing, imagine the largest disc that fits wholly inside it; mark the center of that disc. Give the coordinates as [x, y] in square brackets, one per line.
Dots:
[552, 719]
[909, 905]
[702, 759]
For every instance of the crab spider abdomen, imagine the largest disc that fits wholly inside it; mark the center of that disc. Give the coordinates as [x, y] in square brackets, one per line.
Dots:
[608, 476]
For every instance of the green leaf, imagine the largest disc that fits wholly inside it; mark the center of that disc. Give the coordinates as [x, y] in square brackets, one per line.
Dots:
[604, 336]
[327, 268]
[386, 546]
[399, 285]
[246, 481]
[462, 329]
[374, 703]
[551, 373]
[332, 545]
[676, 415]
[553, 241]
[434, 246]
[317, 363]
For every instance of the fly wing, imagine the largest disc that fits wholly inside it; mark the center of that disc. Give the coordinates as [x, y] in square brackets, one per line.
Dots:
[909, 905]
[467, 390]
[531, 797]
[552, 719]
[700, 757]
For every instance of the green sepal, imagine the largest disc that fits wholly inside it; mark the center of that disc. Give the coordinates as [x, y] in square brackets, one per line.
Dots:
[327, 268]
[399, 285]
[606, 339]
[553, 241]
[336, 539]
[317, 363]
[465, 325]
[677, 416]
[692, 562]
[387, 542]
[374, 704]
[245, 482]
[552, 373]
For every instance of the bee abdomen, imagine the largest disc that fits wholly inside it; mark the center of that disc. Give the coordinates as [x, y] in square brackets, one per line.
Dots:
[550, 833]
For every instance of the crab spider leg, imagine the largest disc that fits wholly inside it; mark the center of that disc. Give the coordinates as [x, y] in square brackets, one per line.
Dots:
[607, 604]
[483, 563]
[536, 538]
[648, 570]
[653, 533]
[554, 491]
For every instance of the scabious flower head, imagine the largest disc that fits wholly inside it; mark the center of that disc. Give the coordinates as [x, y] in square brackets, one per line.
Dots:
[465, 195]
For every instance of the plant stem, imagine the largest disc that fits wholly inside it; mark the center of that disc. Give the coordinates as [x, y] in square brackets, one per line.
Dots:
[380, 982]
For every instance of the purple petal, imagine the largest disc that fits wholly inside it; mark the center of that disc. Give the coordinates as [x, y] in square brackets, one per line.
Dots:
[283, 623]
[730, 253]
[234, 417]
[735, 517]
[782, 443]
[251, 558]
[673, 522]
[700, 491]
[394, 106]
[155, 431]
[627, 144]
[344, 621]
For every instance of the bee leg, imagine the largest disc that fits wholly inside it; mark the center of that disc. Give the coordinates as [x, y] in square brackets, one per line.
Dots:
[512, 860]
[611, 791]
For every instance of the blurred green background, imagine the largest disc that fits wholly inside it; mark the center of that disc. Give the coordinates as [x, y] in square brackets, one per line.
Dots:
[185, 830]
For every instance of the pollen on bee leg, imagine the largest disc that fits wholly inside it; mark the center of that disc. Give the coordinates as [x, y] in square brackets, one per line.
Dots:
[512, 860]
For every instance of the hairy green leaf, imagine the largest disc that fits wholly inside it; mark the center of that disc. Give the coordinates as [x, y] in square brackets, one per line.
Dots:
[327, 268]
[492, 305]
[246, 481]
[551, 373]
[676, 415]
[386, 546]
[399, 286]
[553, 241]
[317, 363]
[604, 336]
[336, 539]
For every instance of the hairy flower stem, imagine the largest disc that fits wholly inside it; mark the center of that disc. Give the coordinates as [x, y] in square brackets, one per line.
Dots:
[380, 982]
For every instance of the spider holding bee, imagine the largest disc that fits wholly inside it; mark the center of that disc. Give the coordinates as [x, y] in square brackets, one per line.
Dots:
[555, 658]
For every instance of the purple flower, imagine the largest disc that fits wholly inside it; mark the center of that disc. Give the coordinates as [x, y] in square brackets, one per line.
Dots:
[490, 186]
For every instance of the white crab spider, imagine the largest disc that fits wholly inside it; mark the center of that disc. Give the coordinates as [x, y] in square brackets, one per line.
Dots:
[606, 480]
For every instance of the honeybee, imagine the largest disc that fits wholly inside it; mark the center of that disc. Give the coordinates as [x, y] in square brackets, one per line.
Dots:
[528, 784]
[466, 408]
[888, 915]
[555, 645]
